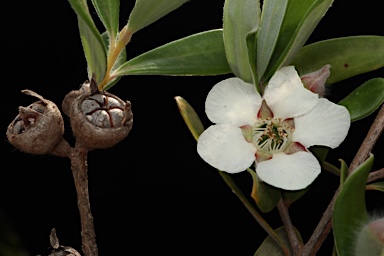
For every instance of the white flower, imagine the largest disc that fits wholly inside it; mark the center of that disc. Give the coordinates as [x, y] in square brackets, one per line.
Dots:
[273, 131]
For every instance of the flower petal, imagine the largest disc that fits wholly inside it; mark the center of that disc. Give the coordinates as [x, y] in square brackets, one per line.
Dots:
[224, 147]
[291, 172]
[286, 95]
[233, 101]
[326, 125]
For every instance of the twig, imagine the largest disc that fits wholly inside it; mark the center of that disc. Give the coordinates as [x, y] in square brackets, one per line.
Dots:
[79, 170]
[369, 141]
[291, 232]
[376, 175]
[325, 224]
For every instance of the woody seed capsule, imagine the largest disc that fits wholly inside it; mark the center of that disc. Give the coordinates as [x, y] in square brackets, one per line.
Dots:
[98, 119]
[38, 128]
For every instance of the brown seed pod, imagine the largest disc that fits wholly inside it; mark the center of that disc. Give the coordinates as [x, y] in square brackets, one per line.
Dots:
[98, 119]
[38, 128]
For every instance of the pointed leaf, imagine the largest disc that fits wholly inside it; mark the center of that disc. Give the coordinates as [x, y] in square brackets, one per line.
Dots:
[320, 152]
[349, 209]
[251, 48]
[266, 197]
[239, 19]
[272, 16]
[348, 56]
[292, 196]
[145, 12]
[300, 20]
[198, 54]
[108, 12]
[331, 168]
[343, 172]
[379, 186]
[122, 58]
[270, 247]
[93, 45]
[365, 99]
[190, 117]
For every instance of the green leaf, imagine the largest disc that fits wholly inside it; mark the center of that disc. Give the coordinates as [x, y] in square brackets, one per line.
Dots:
[272, 16]
[93, 46]
[251, 48]
[270, 247]
[331, 168]
[266, 197]
[348, 56]
[190, 117]
[379, 186]
[343, 172]
[240, 18]
[349, 209]
[198, 54]
[292, 196]
[300, 20]
[145, 12]
[108, 11]
[365, 99]
[320, 152]
[122, 58]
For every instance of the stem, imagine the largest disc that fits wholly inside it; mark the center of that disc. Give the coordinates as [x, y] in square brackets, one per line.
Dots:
[295, 242]
[376, 175]
[124, 38]
[79, 170]
[369, 141]
[235, 189]
[325, 224]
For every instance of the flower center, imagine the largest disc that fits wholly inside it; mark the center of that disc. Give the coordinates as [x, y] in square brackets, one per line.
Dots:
[272, 135]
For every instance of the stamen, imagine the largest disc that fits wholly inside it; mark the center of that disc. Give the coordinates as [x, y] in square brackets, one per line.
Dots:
[272, 134]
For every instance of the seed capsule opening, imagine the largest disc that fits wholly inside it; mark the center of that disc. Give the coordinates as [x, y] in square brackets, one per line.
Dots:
[38, 128]
[98, 119]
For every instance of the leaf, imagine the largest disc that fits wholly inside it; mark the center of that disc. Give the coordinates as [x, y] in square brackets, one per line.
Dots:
[348, 56]
[292, 196]
[270, 247]
[145, 12]
[365, 99]
[300, 20]
[379, 186]
[320, 152]
[108, 11]
[251, 48]
[93, 45]
[240, 18]
[190, 117]
[349, 209]
[198, 54]
[343, 172]
[272, 16]
[122, 58]
[266, 197]
[331, 168]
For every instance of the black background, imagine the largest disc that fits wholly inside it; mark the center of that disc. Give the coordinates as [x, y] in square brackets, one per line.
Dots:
[150, 194]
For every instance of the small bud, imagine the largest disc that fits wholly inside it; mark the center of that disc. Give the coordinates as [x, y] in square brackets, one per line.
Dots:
[98, 119]
[315, 81]
[370, 240]
[38, 128]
